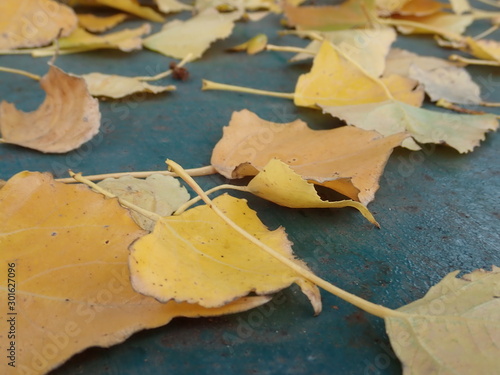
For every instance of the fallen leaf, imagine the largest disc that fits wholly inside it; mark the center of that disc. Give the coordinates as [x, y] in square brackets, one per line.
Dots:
[179, 38]
[453, 329]
[115, 86]
[129, 6]
[460, 6]
[486, 49]
[462, 132]
[345, 159]
[366, 47]
[278, 183]
[69, 250]
[387, 7]
[160, 194]
[252, 46]
[172, 6]
[452, 23]
[334, 80]
[68, 117]
[349, 14]
[196, 257]
[34, 23]
[440, 78]
[96, 24]
[420, 8]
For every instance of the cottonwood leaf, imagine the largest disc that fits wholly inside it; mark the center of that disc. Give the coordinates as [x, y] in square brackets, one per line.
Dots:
[278, 183]
[68, 117]
[172, 6]
[345, 159]
[115, 86]
[453, 329]
[462, 132]
[97, 24]
[130, 6]
[160, 194]
[197, 257]
[334, 80]
[349, 14]
[179, 38]
[69, 247]
[366, 47]
[20, 26]
[453, 23]
[440, 78]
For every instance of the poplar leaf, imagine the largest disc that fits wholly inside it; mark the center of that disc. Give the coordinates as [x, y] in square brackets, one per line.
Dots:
[69, 250]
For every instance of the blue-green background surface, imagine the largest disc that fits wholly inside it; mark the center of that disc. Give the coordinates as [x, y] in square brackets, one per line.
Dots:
[439, 212]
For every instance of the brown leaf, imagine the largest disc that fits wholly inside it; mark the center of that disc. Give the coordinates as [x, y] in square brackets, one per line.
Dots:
[68, 117]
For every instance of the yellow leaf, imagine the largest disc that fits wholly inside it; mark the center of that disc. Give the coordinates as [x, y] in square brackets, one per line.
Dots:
[333, 80]
[349, 14]
[252, 46]
[67, 248]
[486, 49]
[198, 258]
[96, 24]
[68, 117]
[453, 329]
[452, 23]
[179, 38]
[420, 8]
[172, 6]
[278, 183]
[160, 194]
[114, 86]
[34, 23]
[345, 159]
[387, 7]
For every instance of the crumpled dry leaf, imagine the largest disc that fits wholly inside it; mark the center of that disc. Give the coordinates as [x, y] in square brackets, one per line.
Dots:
[160, 194]
[197, 258]
[115, 86]
[129, 6]
[366, 47]
[344, 159]
[453, 329]
[453, 23]
[69, 247]
[34, 23]
[179, 38]
[334, 80]
[172, 6]
[349, 14]
[68, 117]
[278, 183]
[462, 132]
[97, 24]
[487, 49]
[126, 40]
[440, 78]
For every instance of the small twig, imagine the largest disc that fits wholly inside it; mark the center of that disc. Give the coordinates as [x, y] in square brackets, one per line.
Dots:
[271, 47]
[473, 61]
[183, 62]
[20, 72]
[448, 105]
[486, 33]
[209, 85]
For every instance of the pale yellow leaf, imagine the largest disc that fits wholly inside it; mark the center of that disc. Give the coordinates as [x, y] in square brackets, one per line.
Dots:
[97, 24]
[68, 117]
[196, 257]
[172, 6]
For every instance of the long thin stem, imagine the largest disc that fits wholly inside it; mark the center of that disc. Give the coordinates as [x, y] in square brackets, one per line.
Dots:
[189, 203]
[437, 30]
[473, 61]
[150, 215]
[209, 85]
[195, 172]
[271, 47]
[490, 2]
[20, 72]
[183, 62]
[377, 310]
[492, 29]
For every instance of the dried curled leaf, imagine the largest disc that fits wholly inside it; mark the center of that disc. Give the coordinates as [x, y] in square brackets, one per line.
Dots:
[196, 257]
[278, 183]
[68, 117]
[34, 23]
[160, 194]
[462, 132]
[69, 247]
[180, 38]
[453, 329]
[334, 80]
[97, 24]
[115, 86]
[345, 159]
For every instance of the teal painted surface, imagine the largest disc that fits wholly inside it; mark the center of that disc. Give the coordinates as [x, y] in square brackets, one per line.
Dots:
[439, 212]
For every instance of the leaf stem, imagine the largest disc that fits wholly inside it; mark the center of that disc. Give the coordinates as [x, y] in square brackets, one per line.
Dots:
[202, 171]
[302, 34]
[183, 62]
[473, 61]
[486, 32]
[377, 310]
[189, 203]
[20, 72]
[271, 47]
[150, 215]
[209, 85]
